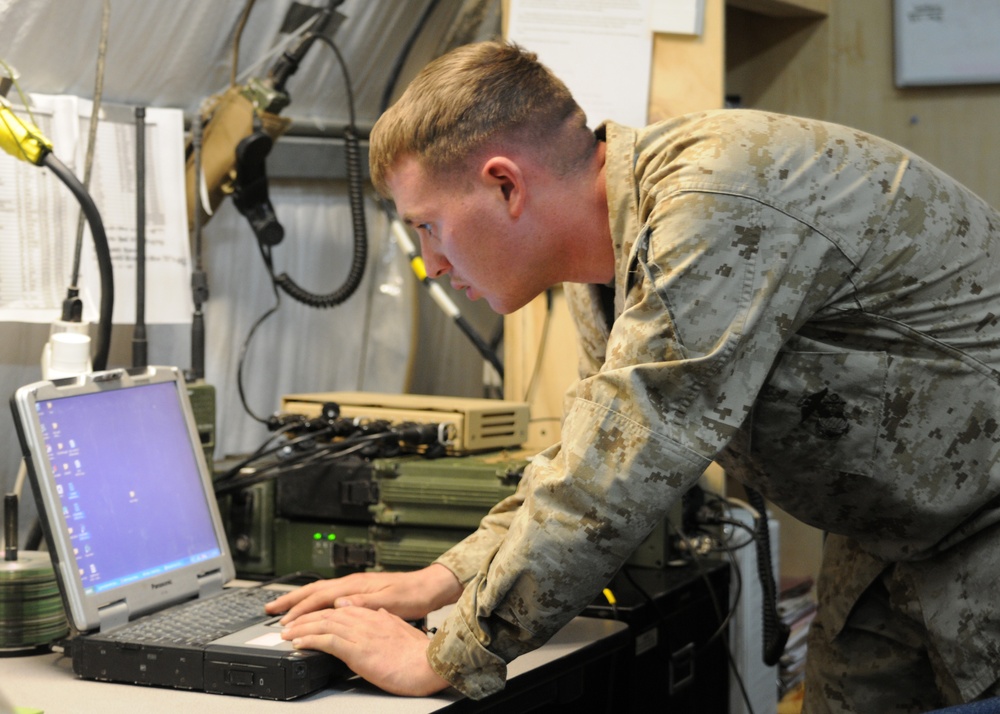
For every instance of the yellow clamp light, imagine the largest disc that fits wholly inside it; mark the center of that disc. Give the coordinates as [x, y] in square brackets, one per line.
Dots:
[22, 139]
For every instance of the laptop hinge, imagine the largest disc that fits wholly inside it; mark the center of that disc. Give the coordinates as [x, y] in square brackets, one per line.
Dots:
[113, 615]
[210, 583]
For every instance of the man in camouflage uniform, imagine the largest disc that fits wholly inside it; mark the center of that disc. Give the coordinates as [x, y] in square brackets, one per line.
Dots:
[811, 306]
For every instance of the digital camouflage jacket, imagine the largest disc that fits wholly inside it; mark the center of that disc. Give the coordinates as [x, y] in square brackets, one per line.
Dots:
[811, 306]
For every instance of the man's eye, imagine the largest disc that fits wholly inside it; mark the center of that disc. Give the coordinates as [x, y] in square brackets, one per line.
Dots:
[425, 227]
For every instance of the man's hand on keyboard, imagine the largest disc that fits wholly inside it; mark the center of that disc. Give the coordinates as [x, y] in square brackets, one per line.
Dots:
[377, 645]
[410, 595]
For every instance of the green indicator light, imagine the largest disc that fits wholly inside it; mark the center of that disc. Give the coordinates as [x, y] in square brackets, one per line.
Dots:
[332, 536]
[317, 536]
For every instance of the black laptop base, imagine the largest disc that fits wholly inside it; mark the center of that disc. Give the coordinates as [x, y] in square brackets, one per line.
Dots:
[218, 669]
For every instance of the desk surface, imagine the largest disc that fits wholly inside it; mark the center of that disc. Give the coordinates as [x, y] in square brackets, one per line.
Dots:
[47, 683]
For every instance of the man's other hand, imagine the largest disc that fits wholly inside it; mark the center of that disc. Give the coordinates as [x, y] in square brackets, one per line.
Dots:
[409, 595]
[377, 645]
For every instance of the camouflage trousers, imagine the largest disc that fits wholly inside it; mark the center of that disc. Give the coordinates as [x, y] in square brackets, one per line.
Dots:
[882, 661]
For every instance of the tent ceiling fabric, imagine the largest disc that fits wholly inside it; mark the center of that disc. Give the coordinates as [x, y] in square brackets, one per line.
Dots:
[174, 53]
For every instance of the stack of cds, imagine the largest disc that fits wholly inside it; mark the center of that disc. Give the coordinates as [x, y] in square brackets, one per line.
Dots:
[31, 610]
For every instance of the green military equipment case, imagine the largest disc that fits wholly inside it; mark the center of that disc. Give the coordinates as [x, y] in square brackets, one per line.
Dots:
[247, 515]
[334, 550]
[402, 548]
[419, 506]
[450, 492]
[331, 550]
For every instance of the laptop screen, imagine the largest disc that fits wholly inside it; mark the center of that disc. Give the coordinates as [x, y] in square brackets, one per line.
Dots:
[129, 484]
[123, 492]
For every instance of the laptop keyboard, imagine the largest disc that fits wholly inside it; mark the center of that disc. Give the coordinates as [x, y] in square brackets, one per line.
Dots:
[198, 622]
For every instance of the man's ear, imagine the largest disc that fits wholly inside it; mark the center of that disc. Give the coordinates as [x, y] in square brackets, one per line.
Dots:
[504, 175]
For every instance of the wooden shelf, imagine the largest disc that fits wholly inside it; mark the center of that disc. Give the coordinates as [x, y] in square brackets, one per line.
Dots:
[784, 8]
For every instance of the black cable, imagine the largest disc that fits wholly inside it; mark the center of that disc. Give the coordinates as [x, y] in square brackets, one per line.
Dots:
[263, 451]
[736, 594]
[360, 256]
[103, 252]
[721, 633]
[246, 347]
[102, 51]
[696, 561]
[290, 59]
[352, 154]
[278, 469]
[776, 632]
[729, 653]
[353, 280]
[199, 278]
[735, 524]
[336, 450]
[237, 35]
[730, 551]
[140, 344]
[404, 54]
[393, 440]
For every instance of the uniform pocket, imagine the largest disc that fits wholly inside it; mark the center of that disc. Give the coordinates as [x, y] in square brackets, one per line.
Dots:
[822, 408]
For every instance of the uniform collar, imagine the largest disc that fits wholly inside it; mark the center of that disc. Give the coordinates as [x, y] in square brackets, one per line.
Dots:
[622, 197]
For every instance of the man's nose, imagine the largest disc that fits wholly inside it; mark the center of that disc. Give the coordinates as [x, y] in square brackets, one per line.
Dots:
[435, 263]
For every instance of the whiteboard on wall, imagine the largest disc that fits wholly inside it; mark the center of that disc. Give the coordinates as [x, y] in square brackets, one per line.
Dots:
[946, 42]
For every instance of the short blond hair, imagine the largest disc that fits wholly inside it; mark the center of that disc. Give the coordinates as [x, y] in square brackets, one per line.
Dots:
[475, 96]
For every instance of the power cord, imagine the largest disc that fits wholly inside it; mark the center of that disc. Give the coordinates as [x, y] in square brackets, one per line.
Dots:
[246, 347]
[373, 439]
[721, 632]
[251, 199]
[693, 556]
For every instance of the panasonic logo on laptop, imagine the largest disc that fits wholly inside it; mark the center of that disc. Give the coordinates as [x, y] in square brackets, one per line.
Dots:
[165, 583]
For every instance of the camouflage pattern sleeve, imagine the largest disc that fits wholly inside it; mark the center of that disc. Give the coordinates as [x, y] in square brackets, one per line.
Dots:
[464, 558]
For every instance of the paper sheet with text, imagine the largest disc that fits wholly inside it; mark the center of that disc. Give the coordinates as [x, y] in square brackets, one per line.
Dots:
[39, 215]
[602, 51]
